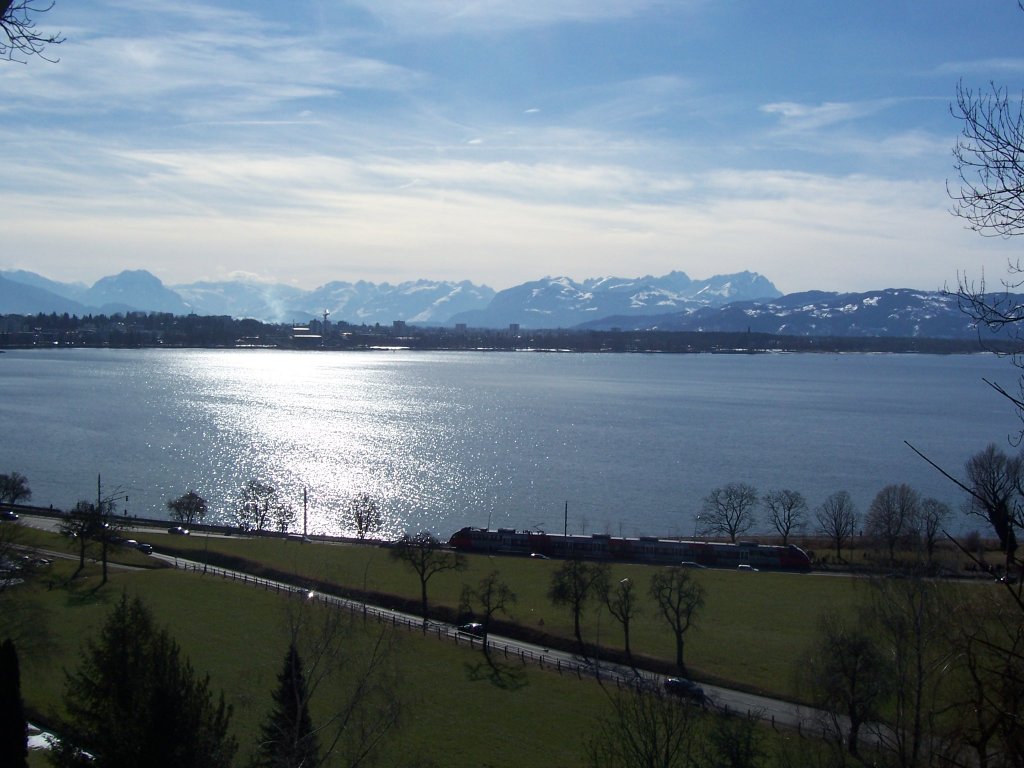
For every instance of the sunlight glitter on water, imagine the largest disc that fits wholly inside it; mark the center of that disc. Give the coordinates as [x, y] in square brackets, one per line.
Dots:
[335, 431]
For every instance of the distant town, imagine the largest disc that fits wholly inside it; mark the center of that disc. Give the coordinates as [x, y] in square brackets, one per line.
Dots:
[137, 330]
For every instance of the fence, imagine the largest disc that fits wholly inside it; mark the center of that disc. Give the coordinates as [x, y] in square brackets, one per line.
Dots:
[543, 659]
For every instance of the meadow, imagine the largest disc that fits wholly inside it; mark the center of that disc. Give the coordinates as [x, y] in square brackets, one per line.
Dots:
[456, 710]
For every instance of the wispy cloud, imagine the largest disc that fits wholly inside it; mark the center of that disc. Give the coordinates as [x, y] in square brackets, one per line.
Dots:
[1005, 65]
[444, 16]
[222, 64]
[811, 117]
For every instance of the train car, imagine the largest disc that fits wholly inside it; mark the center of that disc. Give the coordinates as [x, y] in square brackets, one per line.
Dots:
[643, 549]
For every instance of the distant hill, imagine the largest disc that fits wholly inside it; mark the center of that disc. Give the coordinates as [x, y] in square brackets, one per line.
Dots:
[22, 298]
[745, 301]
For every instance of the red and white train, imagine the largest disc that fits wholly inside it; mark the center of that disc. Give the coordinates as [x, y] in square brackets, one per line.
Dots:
[644, 549]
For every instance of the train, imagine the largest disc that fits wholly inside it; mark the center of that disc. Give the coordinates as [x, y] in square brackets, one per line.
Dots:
[642, 549]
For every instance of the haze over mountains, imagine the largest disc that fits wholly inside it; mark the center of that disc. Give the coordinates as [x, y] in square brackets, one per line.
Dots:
[736, 302]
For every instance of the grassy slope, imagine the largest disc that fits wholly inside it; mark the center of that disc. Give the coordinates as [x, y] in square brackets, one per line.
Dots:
[455, 716]
[752, 631]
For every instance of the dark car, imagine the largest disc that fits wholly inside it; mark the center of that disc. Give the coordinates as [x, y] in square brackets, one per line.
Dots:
[474, 628]
[178, 531]
[685, 689]
[8, 514]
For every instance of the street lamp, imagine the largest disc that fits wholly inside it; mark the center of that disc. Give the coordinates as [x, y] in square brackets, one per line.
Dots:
[696, 522]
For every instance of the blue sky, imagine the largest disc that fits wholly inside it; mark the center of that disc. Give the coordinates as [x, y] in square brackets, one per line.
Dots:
[500, 140]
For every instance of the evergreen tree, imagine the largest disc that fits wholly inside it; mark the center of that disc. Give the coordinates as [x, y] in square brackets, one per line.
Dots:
[288, 739]
[13, 729]
[134, 701]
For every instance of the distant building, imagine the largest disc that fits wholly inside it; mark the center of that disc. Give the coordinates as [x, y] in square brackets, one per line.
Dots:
[513, 329]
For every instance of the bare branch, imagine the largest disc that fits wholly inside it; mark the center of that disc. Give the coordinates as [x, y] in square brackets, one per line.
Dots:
[19, 35]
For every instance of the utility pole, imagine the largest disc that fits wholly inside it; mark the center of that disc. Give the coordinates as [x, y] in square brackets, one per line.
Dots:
[304, 489]
[103, 525]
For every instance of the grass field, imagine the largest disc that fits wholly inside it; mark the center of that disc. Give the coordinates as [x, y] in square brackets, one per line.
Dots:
[751, 633]
[454, 713]
[457, 712]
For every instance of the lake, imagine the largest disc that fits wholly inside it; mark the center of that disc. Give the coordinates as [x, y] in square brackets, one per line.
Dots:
[626, 443]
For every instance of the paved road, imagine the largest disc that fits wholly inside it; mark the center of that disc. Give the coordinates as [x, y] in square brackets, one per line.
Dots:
[778, 712]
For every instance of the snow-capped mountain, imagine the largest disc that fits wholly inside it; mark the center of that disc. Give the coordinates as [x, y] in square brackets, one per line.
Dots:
[898, 312]
[560, 302]
[673, 302]
[420, 301]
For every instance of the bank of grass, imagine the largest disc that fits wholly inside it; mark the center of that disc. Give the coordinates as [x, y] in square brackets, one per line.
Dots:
[456, 712]
[751, 633]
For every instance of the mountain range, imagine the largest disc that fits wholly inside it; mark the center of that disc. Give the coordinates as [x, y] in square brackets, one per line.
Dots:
[672, 302]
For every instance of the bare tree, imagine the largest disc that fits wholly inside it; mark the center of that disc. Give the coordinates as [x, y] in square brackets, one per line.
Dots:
[911, 621]
[679, 597]
[283, 515]
[492, 596]
[573, 584]
[645, 729]
[893, 516]
[81, 524]
[13, 488]
[989, 159]
[621, 602]
[362, 512]
[257, 503]
[351, 685]
[993, 482]
[426, 556]
[837, 519]
[934, 514]
[786, 511]
[989, 197]
[847, 676]
[988, 689]
[19, 35]
[729, 510]
[188, 509]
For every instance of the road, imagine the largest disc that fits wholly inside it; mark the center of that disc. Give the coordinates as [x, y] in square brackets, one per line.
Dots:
[775, 711]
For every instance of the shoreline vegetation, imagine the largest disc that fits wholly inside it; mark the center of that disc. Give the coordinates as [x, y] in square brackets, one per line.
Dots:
[137, 330]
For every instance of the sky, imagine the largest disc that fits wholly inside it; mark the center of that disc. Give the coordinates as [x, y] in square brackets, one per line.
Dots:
[500, 141]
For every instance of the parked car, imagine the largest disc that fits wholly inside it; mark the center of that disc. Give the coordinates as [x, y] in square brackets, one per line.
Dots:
[685, 689]
[178, 531]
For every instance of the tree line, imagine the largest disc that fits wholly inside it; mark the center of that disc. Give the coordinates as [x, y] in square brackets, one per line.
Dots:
[898, 520]
[133, 330]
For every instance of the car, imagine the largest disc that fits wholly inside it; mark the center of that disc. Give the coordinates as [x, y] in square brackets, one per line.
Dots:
[474, 628]
[539, 556]
[130, 543]
[685, 689]
[746, 568]
[9, 515]
[691, 564]
[178, 531]
[144, 548]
